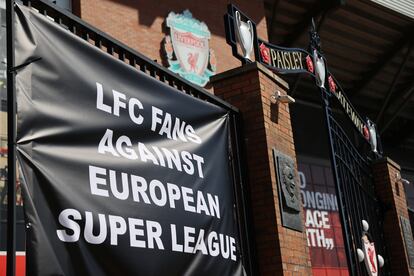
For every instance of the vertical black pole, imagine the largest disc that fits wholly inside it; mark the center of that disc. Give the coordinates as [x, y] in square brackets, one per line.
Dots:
[11, 130]
[245, 218]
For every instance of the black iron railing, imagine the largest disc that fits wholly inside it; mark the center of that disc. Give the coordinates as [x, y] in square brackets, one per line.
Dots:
[356, 195]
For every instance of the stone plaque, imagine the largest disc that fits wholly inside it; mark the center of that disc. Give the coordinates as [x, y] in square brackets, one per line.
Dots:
[408, 238]
[288, 190]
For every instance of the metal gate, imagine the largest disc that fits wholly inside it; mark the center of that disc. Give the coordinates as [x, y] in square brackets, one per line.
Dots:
[352, 171]
[356, 196]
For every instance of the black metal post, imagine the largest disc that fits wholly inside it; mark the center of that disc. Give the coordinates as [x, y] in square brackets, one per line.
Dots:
[245, 218]
[11, 130]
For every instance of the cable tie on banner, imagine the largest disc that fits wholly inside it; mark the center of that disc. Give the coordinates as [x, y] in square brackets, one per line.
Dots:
[18, 67]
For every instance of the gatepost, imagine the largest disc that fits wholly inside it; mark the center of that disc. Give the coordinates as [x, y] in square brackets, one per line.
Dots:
[268, 137]
[398, 236]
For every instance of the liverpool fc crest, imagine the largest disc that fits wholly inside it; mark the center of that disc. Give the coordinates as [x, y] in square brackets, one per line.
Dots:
[368, 254]
[187, 48]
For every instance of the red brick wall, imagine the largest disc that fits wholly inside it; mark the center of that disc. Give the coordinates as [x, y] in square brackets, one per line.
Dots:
[280, 251]
[140, 24]
[392, 193]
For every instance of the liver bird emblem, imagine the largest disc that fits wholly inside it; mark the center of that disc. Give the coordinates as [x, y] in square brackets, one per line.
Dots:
[192, 60]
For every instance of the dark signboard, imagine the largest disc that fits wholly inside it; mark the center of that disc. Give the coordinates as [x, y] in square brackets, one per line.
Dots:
[285, 60]
[241, 34]
[366, 127]
[123, 175]
[408, 238]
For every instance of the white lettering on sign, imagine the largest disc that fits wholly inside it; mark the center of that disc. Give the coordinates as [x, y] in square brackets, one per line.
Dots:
[217, 244]
[142, 234]
[104, 183]
[119, 102]
[163, 123]
[316, 207]
[119, 186]
[182, 161]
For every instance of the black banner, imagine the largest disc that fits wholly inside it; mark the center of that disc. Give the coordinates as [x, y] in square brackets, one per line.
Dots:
[123, 175]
